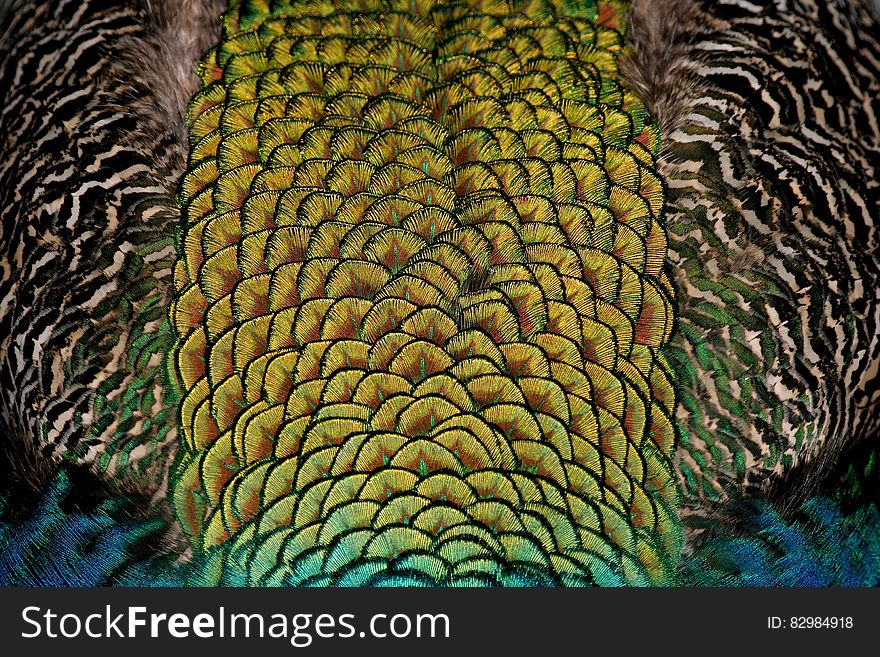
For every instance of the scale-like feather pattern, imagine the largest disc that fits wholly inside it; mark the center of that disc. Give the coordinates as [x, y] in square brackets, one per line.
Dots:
[420, 299]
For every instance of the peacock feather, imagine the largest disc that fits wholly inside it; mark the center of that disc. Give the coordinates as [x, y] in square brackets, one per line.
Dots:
[420, 299]
[456, 292]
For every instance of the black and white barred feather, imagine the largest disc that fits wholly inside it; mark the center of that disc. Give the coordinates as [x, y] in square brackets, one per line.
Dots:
[93, 95]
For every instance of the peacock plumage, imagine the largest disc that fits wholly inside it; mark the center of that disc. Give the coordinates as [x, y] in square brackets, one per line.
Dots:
[411, 292]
